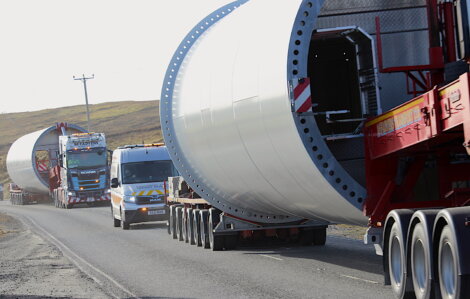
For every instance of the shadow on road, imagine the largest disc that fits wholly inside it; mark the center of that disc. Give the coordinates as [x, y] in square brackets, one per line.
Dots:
[337, 251]
[149, 225]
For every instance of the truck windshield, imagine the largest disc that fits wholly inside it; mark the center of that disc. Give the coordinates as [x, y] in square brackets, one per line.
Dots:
[86, 159]
[146, 171]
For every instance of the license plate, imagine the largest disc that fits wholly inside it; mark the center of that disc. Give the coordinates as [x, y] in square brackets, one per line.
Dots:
[156, 212]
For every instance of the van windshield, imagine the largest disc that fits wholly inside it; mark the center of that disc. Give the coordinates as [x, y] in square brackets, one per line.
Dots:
[146, 171]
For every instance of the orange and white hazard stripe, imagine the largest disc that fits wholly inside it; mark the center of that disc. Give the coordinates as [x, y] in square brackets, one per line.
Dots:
[148, 192]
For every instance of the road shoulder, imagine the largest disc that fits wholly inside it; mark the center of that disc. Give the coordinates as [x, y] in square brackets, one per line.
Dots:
[32, 267]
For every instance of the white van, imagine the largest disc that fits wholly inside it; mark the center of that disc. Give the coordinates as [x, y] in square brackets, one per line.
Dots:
[138, 173]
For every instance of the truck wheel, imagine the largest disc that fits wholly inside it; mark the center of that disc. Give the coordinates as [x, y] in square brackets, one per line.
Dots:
[117, 222]
[397, 261]
[124, 224]
[217, 242]
[319, 236]
[452, 285]
[190, 225]
[197, 226]
[179, 223]
[204, 215]
[420, 261]
[172, 221]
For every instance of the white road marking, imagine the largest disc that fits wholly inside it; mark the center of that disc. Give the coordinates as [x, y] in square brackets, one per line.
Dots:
[271, 257]
[357, 278]
[62, 246]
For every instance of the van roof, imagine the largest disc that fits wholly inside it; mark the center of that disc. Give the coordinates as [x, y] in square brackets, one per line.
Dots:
[131, 154]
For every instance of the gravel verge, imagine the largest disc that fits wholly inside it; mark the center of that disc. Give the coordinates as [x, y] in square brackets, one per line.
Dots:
[33, 268]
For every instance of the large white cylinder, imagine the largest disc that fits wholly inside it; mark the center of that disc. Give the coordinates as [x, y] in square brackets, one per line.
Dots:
[21, 158]
[230, 123]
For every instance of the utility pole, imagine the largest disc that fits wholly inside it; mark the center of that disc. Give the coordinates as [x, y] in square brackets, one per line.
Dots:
[83, 79]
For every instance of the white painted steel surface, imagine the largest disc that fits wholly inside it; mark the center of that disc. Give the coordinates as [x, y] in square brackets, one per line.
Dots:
[21, 159]
[227, 119]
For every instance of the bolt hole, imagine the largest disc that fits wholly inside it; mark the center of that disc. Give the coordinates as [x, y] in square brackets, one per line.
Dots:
[319, 157]
[325, 165]
[303, 121]
[306, 13]
[338, 180]
[296, 52]
[295, 62]
[306, 130]
[295, 72]
[314, 148]
[299, 32]
[310, 139]
[297, 42]
[359, 200]
[345, 187]
[331, 173]
[352, 194]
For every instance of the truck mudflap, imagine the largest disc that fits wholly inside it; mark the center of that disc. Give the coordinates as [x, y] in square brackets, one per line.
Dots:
[75, 199]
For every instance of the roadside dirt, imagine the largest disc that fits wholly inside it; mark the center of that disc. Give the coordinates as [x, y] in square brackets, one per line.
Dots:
[348, 231]
[32, 268]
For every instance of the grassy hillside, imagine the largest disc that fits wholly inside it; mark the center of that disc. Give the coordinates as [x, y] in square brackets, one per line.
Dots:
[122, 122]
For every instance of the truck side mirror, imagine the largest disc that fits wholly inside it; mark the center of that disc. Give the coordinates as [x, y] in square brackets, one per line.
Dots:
[114, 183]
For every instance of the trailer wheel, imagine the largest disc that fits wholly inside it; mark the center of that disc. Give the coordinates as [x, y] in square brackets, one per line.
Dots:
[420, 261]
[172, 221]
[204, 215]
[397, 261]
[231, 242]
[179, 223]
[217, 242]
[190, 225]
[452, 285]
[185, 225]
[306, 237]
[197, 226]
[319, 236]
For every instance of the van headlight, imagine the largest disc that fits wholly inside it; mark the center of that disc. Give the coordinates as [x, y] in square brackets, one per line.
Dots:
[129, 199]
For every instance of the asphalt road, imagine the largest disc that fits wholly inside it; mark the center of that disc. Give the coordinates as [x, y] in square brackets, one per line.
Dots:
[145, 262]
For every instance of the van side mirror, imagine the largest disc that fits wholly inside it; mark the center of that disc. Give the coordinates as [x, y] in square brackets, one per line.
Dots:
[114, 183]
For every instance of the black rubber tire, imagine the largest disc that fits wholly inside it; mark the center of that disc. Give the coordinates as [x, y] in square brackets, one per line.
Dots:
[179, 223]
[124, 224]
[204, 215]
[172, 221]
[231, 242]
[306, 237]
[449, 260]
[185, 226]
[319, 236]
[397, 262]
[117, 222]
[421, 262]
[217, 242]
[190, 225]
[197, 226]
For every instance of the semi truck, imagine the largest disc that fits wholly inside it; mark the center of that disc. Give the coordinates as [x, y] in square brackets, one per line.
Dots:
[82, 174]
[45, 164]
[277, 113]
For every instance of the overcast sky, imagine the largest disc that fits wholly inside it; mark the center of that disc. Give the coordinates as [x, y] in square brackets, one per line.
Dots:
[126, 44]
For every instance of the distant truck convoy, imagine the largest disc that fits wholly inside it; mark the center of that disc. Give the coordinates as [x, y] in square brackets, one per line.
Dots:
[62, 162]
[138, 173]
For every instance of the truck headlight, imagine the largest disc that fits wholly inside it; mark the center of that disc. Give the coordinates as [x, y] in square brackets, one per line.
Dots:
[71, 193]
[129, 199]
